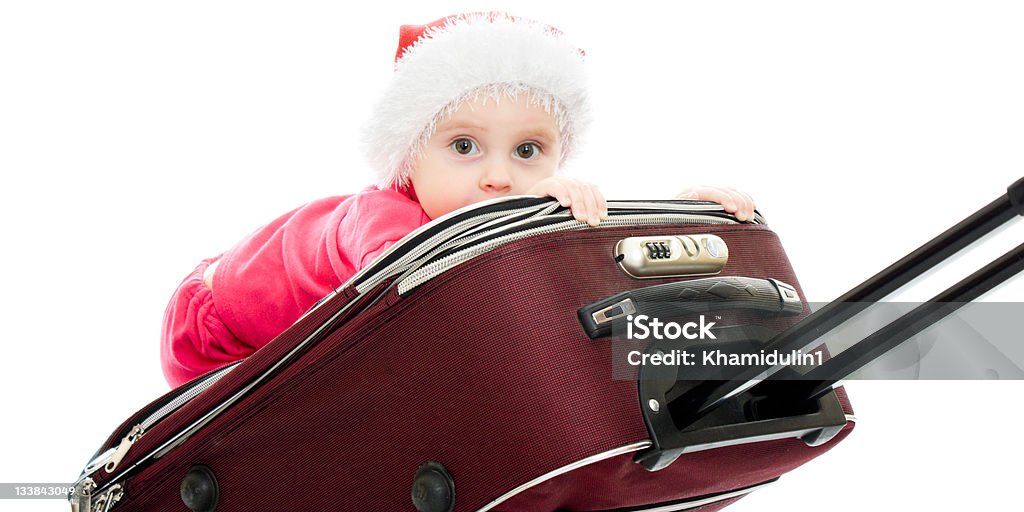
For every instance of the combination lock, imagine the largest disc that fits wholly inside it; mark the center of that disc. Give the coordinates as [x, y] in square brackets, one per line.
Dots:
[658, 250]
[671, 256]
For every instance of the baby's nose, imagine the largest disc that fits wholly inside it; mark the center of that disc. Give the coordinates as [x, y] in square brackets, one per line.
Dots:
[497, 177]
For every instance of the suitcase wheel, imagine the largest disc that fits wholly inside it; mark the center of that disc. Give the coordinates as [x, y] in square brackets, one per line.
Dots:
[433, 489]
[199, 489]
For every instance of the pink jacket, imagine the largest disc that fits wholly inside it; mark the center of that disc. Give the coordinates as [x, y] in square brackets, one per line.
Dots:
[267, 281]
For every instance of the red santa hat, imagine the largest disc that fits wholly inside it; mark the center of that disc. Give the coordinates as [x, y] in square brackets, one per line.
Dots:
[440, 65]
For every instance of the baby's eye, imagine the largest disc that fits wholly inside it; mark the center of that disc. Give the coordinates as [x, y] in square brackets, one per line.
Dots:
[464, 146]
[527, 150]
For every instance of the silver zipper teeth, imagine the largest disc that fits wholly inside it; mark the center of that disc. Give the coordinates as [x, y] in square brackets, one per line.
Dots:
[547, 210]
[393, 268]
[402, 262]
[471, 236]
[438, 267]
[427, 226]
[185, 397]
[158, 415]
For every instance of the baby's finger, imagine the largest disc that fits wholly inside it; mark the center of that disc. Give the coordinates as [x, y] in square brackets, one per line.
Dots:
[593, 212]
[746, 208]
[579, 206]
[558, 191]
[602, 204]
[735, 204]
[753, 204]
[580, 209]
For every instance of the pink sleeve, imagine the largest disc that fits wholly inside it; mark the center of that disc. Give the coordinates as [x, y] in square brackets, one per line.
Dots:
[194, 339]
[266, 282]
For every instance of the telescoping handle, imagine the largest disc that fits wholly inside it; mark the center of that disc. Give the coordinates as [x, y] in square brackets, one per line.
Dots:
[822, 379]
[692, 296]
[807, 333]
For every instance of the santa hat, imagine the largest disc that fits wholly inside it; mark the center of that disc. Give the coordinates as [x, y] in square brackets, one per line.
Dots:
[442, 64]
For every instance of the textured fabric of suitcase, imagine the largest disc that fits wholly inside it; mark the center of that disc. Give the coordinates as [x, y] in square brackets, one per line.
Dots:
[483, 367]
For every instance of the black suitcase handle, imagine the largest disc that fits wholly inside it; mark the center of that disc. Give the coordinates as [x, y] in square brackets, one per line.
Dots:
[691, 296]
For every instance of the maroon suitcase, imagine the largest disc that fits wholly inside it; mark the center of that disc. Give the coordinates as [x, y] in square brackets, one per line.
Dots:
[460, 372]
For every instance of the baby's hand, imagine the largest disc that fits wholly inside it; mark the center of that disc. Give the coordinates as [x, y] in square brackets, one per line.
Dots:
[734, 201]
[586, 202]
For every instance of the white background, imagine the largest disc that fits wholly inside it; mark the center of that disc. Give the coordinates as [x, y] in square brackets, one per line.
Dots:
[136, 139]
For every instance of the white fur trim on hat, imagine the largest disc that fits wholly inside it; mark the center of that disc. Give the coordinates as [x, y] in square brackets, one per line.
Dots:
[468, 56]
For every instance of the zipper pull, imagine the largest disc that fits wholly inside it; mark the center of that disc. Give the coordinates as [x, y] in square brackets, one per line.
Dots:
[81, 496]
[122, 449]
[108, 500]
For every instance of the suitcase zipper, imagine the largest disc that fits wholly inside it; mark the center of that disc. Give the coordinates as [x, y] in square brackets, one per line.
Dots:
[436, 268]
[374, 276]
[109, 459]
[446, 238]
[452, 230]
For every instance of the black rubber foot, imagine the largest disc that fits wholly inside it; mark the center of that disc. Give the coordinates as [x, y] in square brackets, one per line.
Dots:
[433, 489]
[199, 489]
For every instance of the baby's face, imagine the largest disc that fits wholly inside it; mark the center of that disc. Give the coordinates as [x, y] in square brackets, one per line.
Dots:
[486, 149]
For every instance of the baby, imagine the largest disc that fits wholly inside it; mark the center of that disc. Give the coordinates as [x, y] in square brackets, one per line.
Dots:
[480, 106]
